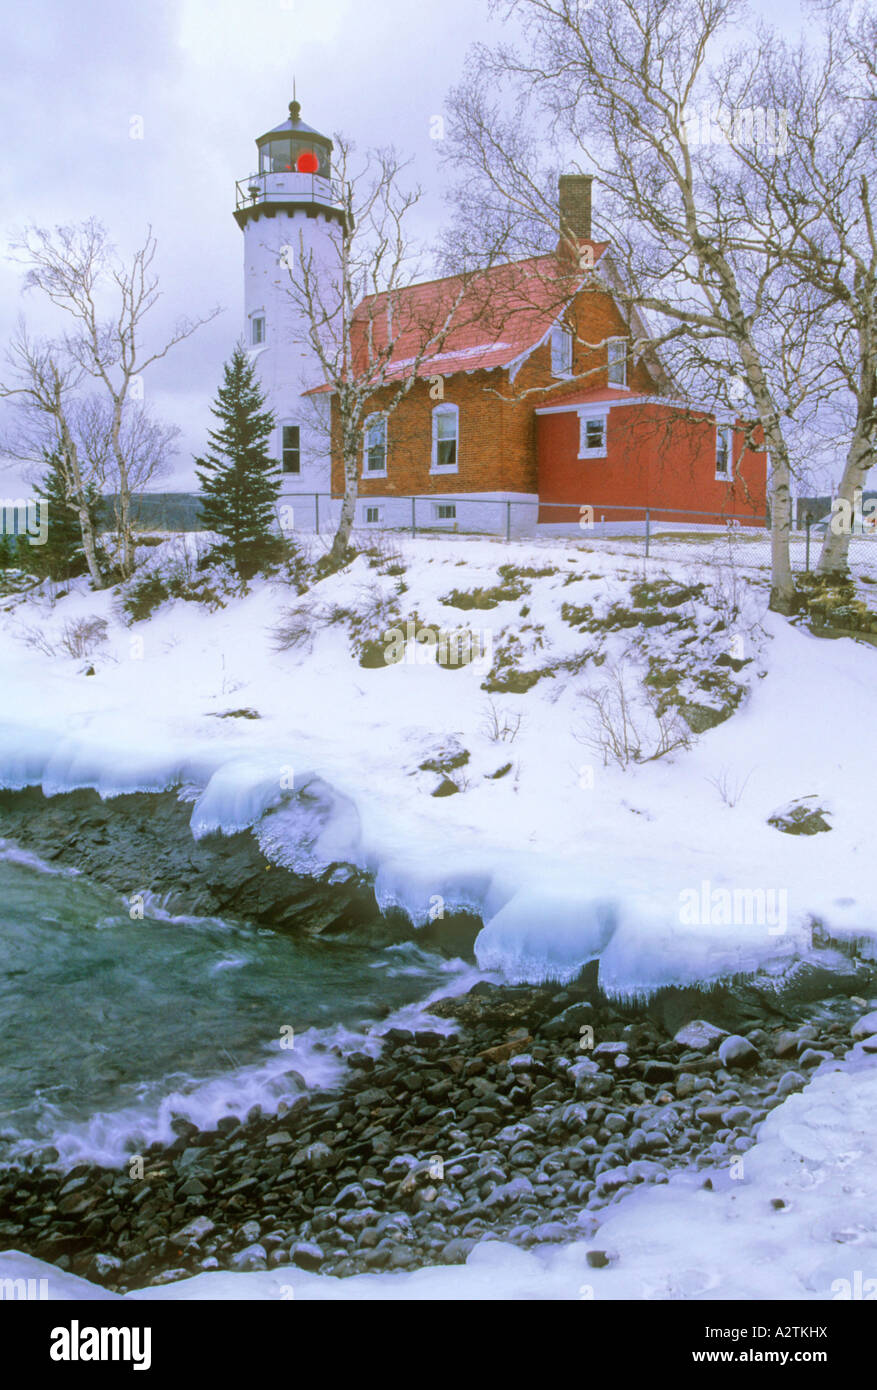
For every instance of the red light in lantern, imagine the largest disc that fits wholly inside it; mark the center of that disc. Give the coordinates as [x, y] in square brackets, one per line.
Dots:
[307, 163]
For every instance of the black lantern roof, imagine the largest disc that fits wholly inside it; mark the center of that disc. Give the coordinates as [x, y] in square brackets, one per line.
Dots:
[295, 126]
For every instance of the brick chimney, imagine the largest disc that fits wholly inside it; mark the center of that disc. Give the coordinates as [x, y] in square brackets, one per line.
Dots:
[574, 196]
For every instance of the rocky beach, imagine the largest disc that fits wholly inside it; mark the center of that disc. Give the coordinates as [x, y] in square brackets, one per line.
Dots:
[543, 1109]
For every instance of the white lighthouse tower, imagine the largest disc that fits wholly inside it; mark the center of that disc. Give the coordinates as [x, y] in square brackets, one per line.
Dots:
[289, 211]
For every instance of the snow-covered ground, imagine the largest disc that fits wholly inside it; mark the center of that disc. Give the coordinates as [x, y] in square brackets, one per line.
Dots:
[794, 1218]
[563, 857]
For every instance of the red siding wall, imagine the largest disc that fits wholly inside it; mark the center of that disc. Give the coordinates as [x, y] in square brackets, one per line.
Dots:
[655, 457]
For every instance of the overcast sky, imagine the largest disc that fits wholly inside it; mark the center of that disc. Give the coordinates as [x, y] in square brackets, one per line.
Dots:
[205, 77]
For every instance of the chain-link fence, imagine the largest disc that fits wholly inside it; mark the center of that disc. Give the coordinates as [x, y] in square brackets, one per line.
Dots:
[657, 533]
[650, 532]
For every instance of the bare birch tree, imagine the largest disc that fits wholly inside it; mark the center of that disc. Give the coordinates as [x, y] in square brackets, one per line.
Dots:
[78, 270]
[42, 386]
[619, 82]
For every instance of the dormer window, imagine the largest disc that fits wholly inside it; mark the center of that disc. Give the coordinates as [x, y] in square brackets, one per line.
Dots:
[617, 356]
[561, 350]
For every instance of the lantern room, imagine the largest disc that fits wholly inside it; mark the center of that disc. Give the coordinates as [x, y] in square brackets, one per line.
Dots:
[295, 171]
[294, 148]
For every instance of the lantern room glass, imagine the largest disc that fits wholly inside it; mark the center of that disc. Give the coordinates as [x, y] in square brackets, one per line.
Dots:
[290, 155]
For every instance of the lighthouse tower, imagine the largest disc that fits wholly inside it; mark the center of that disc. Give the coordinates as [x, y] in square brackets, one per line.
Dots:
[290, 214]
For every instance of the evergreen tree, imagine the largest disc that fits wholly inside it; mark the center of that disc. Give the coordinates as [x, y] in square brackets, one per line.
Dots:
[8, 552]
[239, 481]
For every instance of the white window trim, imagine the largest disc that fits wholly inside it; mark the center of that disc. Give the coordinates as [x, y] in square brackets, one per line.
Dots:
[284, 424]
[447, 408]
[372, 507]
[439, 505]
[584, 416]
[728, 477]
[618, 385]
[258, 314]
[569, 336]
[375, 472]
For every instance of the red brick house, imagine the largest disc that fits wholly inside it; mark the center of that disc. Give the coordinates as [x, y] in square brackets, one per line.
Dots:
[537, 398]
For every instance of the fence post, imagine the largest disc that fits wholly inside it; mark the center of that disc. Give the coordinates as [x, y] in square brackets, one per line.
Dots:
[807, 547]
[413, 516]
[647, 532]
[317, 513]
[508, 520]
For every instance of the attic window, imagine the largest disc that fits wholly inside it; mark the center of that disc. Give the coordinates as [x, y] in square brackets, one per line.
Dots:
[561, 351]
[617, 358]
[723, 453]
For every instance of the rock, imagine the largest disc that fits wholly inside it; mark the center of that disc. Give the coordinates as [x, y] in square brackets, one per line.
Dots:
[610, 1049]
[700, 1036]
[548, 1232]
[249, 1232]
[522, 1062]
[349, 1195]
[307, 1255]
[509, 1192]
[656, 1072]
[686, 1085]
[169, 1276]
[865, 1027]
[317, 1157]
[102, 1266]
[195, 1231]
[193, 1187]
[611, 1179]
[736, 1116]
[800, 818]
[736, 1052]
[568, 1023]
[251, 1257]
[280, 1136]
[812, 1057]
[457, 1250]
[791, 1081]
[598, 1259]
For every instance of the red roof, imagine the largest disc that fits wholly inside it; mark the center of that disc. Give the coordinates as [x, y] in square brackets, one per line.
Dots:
[486, 321]
[593, 397]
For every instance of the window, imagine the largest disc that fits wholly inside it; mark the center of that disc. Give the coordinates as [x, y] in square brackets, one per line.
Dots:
[617, 355]
[257, 329]
[372, 514]
[723, 453]
[592, 436]
[445, 436]
[561, 351]
[375, 444]
[290, 453]
[446, 511]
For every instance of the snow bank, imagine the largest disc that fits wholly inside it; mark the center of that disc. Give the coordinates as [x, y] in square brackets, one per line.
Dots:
[563, 859]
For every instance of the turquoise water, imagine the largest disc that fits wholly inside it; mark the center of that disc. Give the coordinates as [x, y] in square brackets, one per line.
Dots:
[109, 1026]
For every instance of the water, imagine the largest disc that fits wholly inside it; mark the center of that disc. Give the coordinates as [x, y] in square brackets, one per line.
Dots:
[111, 1026]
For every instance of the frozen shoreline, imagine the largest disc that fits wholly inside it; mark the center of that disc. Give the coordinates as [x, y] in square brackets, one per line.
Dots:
[816, 1155]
